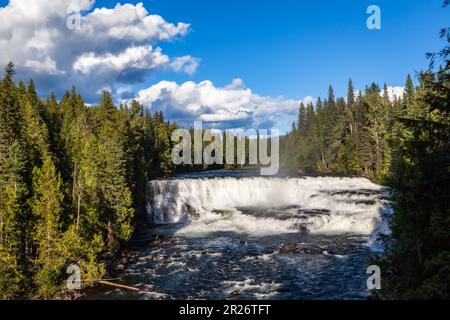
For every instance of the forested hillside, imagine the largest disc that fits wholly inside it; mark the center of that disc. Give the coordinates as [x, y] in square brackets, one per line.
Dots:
[416, 264]
[354, 135]
[404, 143]
[71, 179]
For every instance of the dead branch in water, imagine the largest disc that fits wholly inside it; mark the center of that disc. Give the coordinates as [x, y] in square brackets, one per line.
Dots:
[108, 283]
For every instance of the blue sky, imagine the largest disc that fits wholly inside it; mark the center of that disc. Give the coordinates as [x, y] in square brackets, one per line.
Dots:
[231, 63]
[297, 48]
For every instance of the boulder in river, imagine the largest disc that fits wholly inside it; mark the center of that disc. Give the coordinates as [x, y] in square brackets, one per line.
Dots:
[299, 248]
[120, 267]
[302, 229]
[161, 240]
[289, 248]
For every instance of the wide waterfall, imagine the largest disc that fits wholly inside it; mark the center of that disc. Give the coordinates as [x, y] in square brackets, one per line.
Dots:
[231, 234]
[262, 206]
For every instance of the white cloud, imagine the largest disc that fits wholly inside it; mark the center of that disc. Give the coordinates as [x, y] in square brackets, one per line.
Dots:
[47, 66]
[186, 64]
[132, 58]
[236, 84]
[234, 103]
[395, 93]
[223, 115]
[112, 45]
[132, 22]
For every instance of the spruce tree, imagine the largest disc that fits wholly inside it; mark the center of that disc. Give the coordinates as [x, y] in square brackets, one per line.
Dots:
[46, 206]
[10, 114]
[116, 196]
[301, 124]
[350, 94]
[13, 222]
[11, 274]
[409, 93]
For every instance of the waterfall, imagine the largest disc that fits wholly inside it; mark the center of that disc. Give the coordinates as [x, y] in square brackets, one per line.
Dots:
[262, 205]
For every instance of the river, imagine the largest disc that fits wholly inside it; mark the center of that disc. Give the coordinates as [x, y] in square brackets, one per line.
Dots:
[237, 235]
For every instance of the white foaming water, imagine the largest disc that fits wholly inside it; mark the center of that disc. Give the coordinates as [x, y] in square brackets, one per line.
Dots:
[327, 205]
[264, 290]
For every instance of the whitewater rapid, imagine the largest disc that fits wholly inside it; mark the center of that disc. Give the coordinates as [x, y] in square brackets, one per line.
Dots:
[269, 206]
[226, 235]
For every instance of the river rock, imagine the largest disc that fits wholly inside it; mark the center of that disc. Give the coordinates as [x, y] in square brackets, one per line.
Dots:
[289, 248]
[69, 295]
[124, 261]
[299, 248]
[301, 228]
[192, 211]
[235, 293]
[161, 240]
[120, 267]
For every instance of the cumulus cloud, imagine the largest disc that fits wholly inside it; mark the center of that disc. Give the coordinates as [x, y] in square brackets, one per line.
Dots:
[125, 65]
[233, 105]
[48, 66]
[65, 42]
[395, 93]
[131, 22]
[186, 64]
